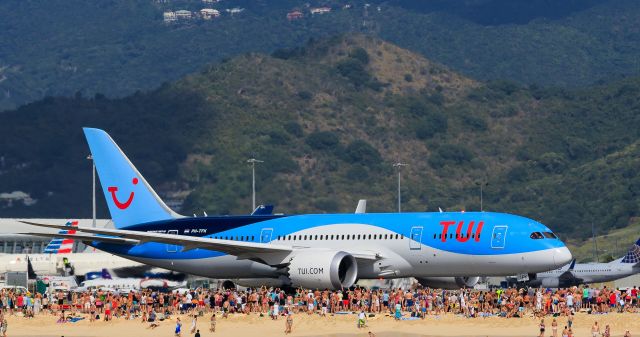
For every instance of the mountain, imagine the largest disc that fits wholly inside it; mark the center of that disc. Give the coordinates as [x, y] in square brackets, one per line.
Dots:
[117, 47]
[329, 119]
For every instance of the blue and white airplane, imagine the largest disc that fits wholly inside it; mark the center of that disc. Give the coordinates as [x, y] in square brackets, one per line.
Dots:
[313, 250]
[588, 273]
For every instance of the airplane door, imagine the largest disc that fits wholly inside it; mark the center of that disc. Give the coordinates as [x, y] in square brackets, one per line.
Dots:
[172, 248]
[498, 237]
[416, 238]
[265, 235]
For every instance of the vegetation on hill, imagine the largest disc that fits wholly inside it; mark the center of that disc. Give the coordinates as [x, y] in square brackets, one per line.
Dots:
[329, 120]
[116, 47]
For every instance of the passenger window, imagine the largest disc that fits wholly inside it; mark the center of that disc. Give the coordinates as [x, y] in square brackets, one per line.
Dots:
[358, 236]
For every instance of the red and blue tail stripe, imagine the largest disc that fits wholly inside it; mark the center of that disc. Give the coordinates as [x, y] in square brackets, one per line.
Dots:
[62, 245]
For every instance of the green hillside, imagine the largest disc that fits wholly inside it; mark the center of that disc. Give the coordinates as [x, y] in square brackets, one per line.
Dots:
[117, 47]
[329, 120]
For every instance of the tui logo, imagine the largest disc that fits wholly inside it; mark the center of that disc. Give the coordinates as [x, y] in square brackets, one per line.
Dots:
[118, 203]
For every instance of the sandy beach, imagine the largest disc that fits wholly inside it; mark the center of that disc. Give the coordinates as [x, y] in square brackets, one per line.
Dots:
[335, 326]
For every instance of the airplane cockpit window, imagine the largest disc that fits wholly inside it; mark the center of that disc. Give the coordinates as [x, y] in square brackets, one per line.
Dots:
[536, 236]
[549, 235]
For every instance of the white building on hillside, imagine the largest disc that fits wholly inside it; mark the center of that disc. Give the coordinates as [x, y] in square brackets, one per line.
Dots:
[183, 14]
[320, 10]
[169, 17]
[235, 10]
[209, 13]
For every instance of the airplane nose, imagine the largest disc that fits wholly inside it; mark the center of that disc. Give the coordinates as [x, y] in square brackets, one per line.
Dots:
[562, 256]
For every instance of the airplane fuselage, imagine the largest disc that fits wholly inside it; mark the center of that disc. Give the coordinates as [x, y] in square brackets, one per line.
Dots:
[405, 244]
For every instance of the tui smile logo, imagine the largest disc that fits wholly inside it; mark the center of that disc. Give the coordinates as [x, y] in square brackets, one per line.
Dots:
[119, 204]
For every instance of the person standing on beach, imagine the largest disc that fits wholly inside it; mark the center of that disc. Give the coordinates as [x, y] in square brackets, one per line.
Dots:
[595, 330]
[212, 328]
[541, 328]
[607, 331]
[178, 333]
[194, 323]
[288, 325]
[4, 326]
[554, 328]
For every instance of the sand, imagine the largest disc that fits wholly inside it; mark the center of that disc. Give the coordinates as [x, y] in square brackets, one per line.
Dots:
[336, 326]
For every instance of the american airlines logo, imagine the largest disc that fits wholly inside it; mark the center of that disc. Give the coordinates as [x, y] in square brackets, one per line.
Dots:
[460, 235]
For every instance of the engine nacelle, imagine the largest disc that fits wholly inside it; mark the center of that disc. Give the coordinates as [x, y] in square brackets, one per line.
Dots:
[449, 283]
[323, 269]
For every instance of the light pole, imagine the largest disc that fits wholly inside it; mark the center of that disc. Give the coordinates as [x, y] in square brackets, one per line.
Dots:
[481, 184]
[253, 162]
[399, 165]
[93, 164]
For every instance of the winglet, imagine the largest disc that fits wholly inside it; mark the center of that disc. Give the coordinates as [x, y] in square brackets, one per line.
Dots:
[362, 206]
[572, 265]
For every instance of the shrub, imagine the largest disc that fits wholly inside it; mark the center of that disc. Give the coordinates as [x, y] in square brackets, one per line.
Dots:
[476, 123]
[361, 55]
[323, 140]
[430, 124]
[362, 152]
[294, 129]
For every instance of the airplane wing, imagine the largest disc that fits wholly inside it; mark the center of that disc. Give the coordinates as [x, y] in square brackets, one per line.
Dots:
[188, 242]
[242, 249]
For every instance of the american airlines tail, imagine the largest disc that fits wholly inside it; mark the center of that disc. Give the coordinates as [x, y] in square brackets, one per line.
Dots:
[633, 255]
[130, 198]
[62, 245]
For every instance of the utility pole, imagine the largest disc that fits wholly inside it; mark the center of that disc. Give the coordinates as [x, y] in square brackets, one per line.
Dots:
[399, 165]
[93, 164]
[482, 184]
[253, 162]
[595, 243]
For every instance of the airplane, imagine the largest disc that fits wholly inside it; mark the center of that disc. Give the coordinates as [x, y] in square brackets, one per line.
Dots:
[128, 284]
[329, 251]
[587, 273]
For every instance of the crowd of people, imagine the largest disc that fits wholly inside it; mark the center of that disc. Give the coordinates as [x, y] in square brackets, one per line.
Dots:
[153, 306]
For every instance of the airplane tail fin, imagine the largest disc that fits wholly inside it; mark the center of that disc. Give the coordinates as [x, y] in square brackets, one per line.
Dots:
[31, 274]
[62, 245]
[105, 274]
[633, 255]
[130, 198]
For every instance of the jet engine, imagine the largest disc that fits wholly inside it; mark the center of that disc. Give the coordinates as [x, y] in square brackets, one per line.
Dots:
[323, 269]
[449, 282]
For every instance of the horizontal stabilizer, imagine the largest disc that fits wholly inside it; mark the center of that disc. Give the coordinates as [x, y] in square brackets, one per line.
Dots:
[263, 210]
